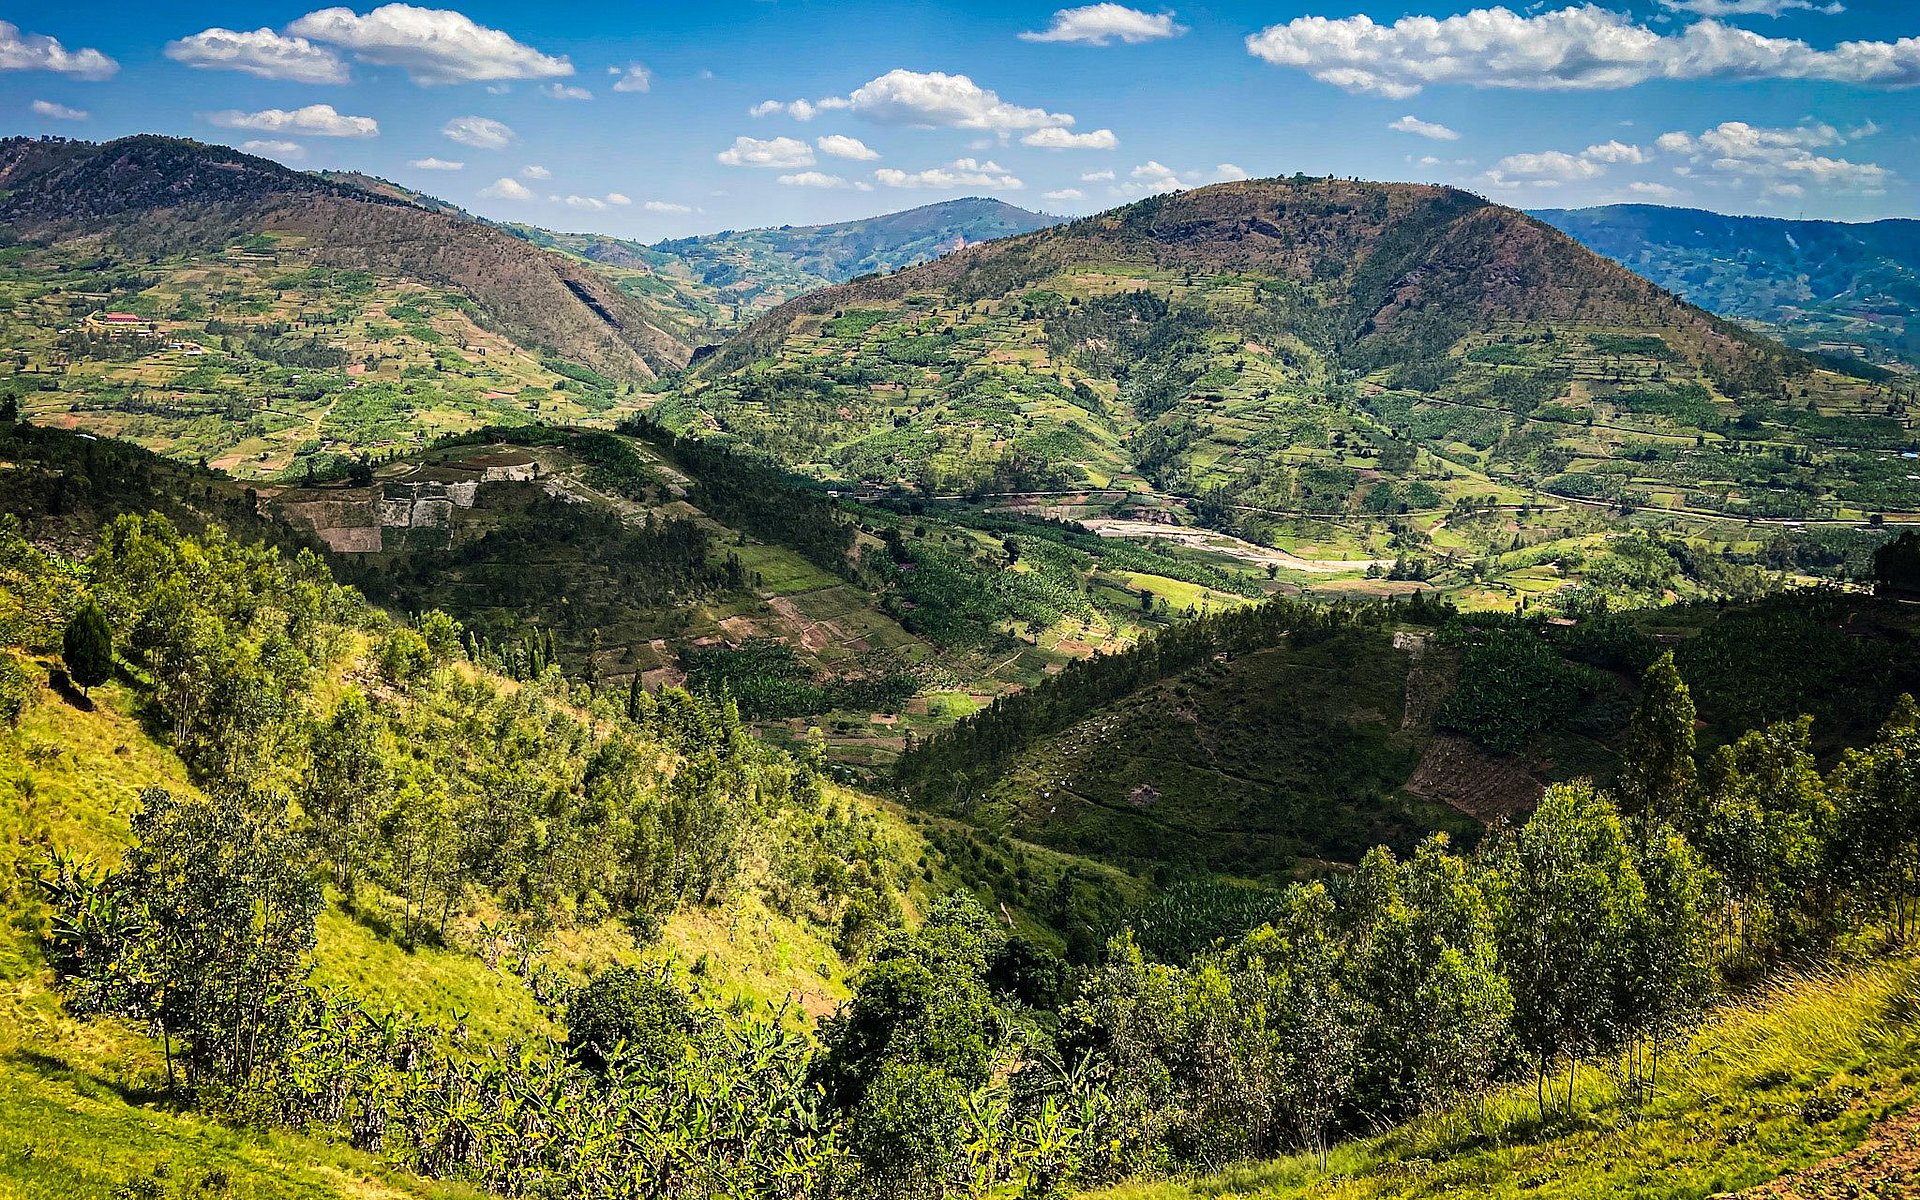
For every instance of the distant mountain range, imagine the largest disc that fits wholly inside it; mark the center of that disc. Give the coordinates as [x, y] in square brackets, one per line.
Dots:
[1821, 285]
[732, 276]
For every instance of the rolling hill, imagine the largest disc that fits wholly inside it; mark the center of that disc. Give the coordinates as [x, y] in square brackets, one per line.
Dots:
[1832, 286]
[261, 315]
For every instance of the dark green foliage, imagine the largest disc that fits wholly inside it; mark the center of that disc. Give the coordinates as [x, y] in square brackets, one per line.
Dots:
[87, 647]
[1513, 686]
[630, 1015]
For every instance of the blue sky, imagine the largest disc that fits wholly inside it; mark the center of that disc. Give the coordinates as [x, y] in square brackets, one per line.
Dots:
[654, 119]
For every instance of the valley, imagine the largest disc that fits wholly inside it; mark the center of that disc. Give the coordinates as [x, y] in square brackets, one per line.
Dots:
[1293, 686]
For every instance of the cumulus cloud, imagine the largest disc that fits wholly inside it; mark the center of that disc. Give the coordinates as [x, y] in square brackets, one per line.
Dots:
[437, 164]
[766, 152]
[594, 203]
[275, 149]
[1573, 48]
[799, 110]
[1097, 177]
[535, 171]
[37, 52]
[1748, 8]
[1063, 194]
[841, 146]
[1779, 158]
[481, 133]
[1426, 129]
[667, 206]
[1103, 24]
[962, 172]
[57, 112]
[1150, 178]
[1614, 152]
[631, 78]
[933, 99]
[315, 120]
[567, 91]
[432, 45]
[1230, 172]
[1546, 168]
[506, 188]
[1641, 187]
[814, 179]
[1055, 138]
[261, 52]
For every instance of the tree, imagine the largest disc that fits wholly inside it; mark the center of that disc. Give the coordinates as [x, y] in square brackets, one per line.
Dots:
[1657, 768]
[641, 1010]
[203, 932]
[87, 648]
[1761, 823]
[346, 787]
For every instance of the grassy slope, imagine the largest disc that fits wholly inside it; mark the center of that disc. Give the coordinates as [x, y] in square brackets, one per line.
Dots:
[1792, 1076]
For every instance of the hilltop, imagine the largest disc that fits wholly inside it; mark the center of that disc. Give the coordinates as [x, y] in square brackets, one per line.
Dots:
[1827, 286]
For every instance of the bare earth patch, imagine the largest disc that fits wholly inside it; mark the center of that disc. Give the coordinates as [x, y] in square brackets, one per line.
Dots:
[1459, 774]
[1887, 1164]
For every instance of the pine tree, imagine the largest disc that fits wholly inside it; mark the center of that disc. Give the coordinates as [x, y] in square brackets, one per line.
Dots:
[87, 648]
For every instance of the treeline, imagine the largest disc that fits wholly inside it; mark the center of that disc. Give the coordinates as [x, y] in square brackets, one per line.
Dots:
[973, 753]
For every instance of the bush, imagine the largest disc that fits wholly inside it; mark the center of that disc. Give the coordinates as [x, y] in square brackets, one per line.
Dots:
[625, 1005]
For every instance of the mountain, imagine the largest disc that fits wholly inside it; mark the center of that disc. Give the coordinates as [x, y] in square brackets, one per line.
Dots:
[1263, 352]
[157, 196]
[215, 305]
[1829, 286]
[739, 274]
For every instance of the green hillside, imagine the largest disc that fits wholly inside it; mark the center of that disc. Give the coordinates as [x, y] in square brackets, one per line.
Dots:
[1826, 286]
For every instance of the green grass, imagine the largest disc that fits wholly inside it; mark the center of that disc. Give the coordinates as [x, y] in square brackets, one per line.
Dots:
[1791, 1076]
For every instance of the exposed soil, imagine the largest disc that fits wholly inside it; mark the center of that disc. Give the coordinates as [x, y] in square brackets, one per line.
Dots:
[1887, 1164]
[1459, 774]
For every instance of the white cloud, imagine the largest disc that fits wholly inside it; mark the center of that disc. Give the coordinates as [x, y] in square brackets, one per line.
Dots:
[1780, 158]
[1101, 24]
[57, 112]
[1425, 129]
[1230, 172]
[1063, 194]
[315, 120]
[1574, 48]
[566, 91]
[535, 171]
[667, 206]
[1547, 168]
[1641, 187]
[767, 152]
[960, 173]
[1097, 177]
[1150, 178]
[432, 45]
[37, 52]
[1551, 168]
[841, 146]
[482, 133]
[933, 99]
[814, 179]
[261, 52]
[437, 164]
[1748, 8]
[632, 78]
[1614, 152]
[1055, 138]
[799, 110]
[274, 149]
[619, 199]
[506, 188]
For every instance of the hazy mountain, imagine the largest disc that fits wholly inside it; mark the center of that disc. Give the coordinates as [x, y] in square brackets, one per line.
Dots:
[1824, 285]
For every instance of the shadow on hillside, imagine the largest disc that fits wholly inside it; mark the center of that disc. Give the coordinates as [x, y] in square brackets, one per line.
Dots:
[53, 1067]
[58, 680]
